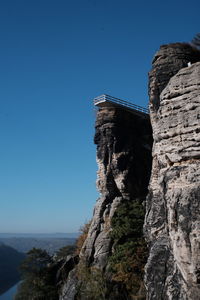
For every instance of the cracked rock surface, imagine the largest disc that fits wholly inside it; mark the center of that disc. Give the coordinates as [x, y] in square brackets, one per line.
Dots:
[124, 160]
[166, 63]
[172, 225]
[124, 142]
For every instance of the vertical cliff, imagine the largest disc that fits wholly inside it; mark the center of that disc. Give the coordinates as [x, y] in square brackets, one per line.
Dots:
[173, 212]
[124, 141]
[113, 255]
[166, 63]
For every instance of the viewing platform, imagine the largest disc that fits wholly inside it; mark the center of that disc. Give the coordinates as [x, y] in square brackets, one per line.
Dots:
[108, 101]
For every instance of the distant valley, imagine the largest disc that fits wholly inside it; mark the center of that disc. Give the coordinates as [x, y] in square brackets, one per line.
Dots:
[10, 260]
[49, 242]
[51, 245]
[13, 249]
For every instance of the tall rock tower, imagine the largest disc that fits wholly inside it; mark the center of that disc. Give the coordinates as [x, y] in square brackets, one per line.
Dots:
[124, 139]
[172, 223]
[115, 241]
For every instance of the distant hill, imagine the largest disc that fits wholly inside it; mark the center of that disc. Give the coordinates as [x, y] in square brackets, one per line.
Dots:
[14, 246]
[10, 260]
[40, 235]
[24, 244]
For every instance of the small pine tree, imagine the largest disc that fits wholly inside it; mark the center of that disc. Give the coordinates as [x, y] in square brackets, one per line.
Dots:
[129, 250]
[63, 252]
[196, 41]
[38, 277]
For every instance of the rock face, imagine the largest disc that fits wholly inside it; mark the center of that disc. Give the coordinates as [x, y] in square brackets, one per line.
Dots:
[166, 63]
[124, 159]
[172, 222]
[124, 142]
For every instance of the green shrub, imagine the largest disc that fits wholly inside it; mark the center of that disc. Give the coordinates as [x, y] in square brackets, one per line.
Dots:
[82, 237]
[92, 283]
[63, 252]
[38, 276]
[129, 255]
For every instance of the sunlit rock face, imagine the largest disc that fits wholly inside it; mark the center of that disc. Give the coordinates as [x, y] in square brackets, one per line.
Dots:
[166, 63]
[172, 225]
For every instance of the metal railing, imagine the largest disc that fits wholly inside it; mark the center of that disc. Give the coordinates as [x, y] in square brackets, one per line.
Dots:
[110, 99]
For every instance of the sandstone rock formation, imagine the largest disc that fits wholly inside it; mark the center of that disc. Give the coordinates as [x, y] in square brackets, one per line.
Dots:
[172, 220]
[166, 63]
[124, 143]
[124, 159]
[172, 225]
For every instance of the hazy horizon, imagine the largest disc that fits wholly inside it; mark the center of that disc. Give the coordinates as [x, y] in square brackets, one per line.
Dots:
[39, 233]
[24, 232]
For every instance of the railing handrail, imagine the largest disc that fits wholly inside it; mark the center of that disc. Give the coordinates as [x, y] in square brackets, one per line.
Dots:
[108, 98]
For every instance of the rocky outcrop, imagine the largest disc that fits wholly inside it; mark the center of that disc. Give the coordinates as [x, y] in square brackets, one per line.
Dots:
[172, 220]
[124, 141]
[173, 204]
[124, 159]
[166, 63]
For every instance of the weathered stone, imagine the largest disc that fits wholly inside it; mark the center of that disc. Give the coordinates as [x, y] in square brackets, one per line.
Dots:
[166, 63]
[124, 143]
[69, 288]
[64, 266]
[172, 219]
[173, 205]
[124, 159]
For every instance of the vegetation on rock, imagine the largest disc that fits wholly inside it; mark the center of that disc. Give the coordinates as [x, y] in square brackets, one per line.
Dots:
[38, 276]
[63, 252]
[82, 237]
[129, 251]
[196, 41]
[125, 270]
[92, 284]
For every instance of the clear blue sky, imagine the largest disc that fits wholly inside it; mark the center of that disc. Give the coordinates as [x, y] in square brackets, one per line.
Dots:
[56, 56]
